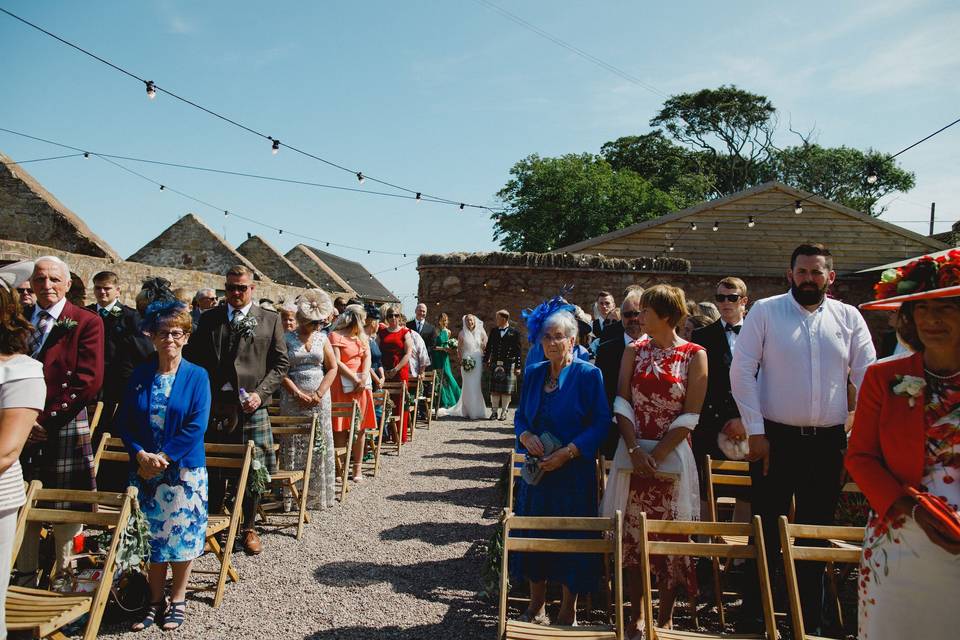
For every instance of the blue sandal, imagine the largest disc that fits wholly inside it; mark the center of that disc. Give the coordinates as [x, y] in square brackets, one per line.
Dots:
[154, 611]
[174, 616]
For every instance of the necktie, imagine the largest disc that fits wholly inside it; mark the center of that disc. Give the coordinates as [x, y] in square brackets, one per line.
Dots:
[734, 328]
[42, 324]
[104, 313]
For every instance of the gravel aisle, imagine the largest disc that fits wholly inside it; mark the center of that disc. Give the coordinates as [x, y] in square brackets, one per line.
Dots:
[400, 559]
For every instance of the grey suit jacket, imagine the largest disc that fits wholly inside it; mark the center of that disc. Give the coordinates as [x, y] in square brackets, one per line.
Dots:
[255, 363]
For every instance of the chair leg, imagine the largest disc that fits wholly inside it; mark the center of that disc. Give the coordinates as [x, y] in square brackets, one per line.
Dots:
[218, 552]
[345, 469]
[376, 452]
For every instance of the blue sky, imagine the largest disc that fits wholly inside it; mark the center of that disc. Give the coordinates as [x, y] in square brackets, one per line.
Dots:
[442, 97]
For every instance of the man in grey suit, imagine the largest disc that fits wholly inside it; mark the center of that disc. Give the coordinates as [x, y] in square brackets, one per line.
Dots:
[243, 350]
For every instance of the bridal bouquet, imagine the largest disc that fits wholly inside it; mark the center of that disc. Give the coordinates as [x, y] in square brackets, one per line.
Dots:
[451, 344]
[468, 364]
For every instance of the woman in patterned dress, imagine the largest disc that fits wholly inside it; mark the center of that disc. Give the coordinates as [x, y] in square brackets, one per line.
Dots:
[162, 420]
[663, 380]
[906, 433]
[306, 392]
[352, 350]
[397, 348]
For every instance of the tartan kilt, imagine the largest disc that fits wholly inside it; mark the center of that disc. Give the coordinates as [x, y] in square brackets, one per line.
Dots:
[256, 427]
[67, 463]
[502, 377]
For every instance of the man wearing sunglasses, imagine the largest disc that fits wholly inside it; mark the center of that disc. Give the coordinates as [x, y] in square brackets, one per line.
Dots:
[27, 299]
[243, 350]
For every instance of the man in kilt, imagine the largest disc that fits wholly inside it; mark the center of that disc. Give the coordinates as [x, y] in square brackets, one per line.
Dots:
[68, 340]
[502, 360]
[243, 350]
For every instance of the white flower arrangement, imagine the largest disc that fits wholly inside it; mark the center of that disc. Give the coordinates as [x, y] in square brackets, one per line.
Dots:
[468, 364]
[911, 387]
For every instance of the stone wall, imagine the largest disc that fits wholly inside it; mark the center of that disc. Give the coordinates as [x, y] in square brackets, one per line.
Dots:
[132, 274]
[273, 263]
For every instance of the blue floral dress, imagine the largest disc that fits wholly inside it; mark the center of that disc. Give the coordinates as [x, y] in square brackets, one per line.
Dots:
[175, 502]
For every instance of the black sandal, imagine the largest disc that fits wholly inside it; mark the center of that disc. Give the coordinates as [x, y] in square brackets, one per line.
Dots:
[154, 611]
[175, 616]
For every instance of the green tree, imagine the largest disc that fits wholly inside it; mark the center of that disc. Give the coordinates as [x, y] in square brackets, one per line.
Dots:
[553, 202]
[732, 129]
[669, 167]
[840, 174]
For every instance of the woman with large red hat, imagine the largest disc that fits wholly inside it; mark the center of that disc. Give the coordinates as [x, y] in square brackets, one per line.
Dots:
[904, 453]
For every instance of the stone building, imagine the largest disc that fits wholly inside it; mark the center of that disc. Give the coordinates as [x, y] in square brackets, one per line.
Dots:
[273, 263]
[346, 273]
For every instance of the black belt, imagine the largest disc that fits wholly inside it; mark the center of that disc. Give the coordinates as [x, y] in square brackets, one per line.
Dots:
[803, 431]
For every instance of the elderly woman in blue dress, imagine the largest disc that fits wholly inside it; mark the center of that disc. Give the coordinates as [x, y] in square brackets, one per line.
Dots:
[563, 397]
[162, 420]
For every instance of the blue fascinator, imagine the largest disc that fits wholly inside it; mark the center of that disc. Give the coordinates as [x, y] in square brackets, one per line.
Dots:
[536, 318]
[159, 311]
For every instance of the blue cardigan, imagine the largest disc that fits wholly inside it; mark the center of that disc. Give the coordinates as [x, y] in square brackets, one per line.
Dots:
[581, 400]
[185, 422]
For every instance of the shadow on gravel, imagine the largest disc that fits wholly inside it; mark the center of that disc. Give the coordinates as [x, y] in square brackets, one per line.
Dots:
[437, 533]
[505, 444]
[462, 473]
[478, 457]
[467, 497]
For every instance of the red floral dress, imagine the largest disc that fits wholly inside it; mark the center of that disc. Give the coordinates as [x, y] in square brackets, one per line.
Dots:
[908, 585]
[659, 387]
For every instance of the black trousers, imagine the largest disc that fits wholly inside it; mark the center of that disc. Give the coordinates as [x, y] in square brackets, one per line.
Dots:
[805, 465]
[222, 487]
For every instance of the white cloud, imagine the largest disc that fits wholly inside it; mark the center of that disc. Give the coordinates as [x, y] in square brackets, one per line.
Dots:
[175, 21]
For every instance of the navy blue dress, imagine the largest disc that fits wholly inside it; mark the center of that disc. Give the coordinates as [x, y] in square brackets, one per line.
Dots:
[576, 412]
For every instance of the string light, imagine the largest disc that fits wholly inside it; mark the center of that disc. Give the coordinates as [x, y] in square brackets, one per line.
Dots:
[86, 154]
[872, 177]
[670, 248]
[693, 226]
[280, 232]
[360, 177]
[151, 89]
[750, 222]
[798, 207]
[462, 206]
[419, 198]
[226, 213]
[275, 149]
[162, 187]
[716, 226]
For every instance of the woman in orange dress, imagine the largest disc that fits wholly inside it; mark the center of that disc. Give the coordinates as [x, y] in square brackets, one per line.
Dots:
[350, 346]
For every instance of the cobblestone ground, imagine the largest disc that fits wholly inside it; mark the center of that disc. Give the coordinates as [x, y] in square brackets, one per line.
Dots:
[400, 558]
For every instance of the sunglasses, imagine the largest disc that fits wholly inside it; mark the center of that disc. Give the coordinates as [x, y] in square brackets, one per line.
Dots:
[391, 315]
[237, 288]
[728, 297]
[631, 314]
[25, 291]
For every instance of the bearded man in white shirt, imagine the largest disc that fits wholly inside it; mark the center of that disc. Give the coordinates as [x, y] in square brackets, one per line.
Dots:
[795, 355]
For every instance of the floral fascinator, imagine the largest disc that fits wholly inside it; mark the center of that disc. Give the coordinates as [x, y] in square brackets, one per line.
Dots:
[160, 311]
[314, 305]
[537, 317]
[925, 278]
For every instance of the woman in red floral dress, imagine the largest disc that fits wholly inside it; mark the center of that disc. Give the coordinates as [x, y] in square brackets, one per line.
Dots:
[396, 347]
[664, 379]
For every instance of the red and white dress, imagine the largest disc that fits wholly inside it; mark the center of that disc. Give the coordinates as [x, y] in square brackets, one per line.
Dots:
[659, 390]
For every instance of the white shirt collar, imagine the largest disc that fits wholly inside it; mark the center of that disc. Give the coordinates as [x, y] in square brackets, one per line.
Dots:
[727, 324]
[53, 311]
[803, 309]
[628, 340]
[110, 306]
[245, 310]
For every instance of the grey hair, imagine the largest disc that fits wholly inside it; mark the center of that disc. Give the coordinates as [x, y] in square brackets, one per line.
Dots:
[564, 321]
[634, 296]
[64, 267]
[200, 292]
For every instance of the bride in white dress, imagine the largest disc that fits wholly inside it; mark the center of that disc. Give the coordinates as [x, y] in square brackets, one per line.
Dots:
[472, 341]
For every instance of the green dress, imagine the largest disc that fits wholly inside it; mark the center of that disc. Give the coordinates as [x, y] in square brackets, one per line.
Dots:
[449, 389]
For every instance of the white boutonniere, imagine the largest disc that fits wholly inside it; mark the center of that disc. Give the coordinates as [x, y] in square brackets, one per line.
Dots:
[246, 326]
[910, 387]
[66, 323]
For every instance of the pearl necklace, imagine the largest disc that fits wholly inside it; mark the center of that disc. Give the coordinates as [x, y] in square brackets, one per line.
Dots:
[939, 377]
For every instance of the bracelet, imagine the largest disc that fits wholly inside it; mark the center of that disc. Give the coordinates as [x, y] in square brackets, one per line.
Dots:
[631, 450]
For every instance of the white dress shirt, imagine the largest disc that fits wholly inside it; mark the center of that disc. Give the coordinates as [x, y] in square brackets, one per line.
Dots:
[54, 312]
[420, 358]
[731, 336]
[627, 340]
[110, 306]
[245, 311]
[791, 365]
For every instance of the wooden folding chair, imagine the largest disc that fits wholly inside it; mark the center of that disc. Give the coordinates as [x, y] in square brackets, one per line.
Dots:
[44, 613]
[851, 539]
[94, 414]
[412, 408]
[728, 550]
[426, 380]
[305, 426]
[343, 456]
[609, 541]
[435, 395]
[398, 394]
[379, 400]
[515, 462]
[603, 474]
[723, 473]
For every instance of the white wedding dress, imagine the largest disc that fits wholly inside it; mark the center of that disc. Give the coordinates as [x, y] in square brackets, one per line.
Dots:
[471, 404]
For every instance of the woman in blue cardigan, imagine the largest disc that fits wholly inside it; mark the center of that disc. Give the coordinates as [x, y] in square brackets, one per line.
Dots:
[563, 396]
[162, 420]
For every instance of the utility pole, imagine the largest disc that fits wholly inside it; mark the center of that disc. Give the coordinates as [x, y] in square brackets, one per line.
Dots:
[933, 210]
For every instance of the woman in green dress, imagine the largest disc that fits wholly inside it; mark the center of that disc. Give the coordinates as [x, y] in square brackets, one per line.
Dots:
[440, 355]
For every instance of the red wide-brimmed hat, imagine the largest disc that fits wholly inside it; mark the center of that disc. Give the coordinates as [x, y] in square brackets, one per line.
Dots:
[926, 278]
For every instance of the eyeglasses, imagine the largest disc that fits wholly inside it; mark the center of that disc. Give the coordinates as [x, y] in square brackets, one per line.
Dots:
[237, 288]
[391, 315]
[176, 334]
[631, 314]
[26, 291]
[210, 299]
[728, 297]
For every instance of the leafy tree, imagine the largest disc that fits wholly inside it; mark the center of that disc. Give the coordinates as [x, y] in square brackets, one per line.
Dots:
[733, 128]
[553, 202]
[667, 166]
[840, 174]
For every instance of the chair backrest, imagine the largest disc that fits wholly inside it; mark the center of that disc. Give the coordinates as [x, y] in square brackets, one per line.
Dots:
[792, 534]
[513, 459]
[729, 473]
[398, 388]
[94, 415]
[110, 449]
[716, 530]
[608, 540]
[293, 425]
[345, 409]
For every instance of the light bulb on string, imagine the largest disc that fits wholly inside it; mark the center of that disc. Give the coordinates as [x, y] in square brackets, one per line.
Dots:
[280, 231]
[360, 177]
[162, 187]
[798, 207]
[693, 226]
[751, 222]
[275, 149]
[670, 248]
[716, 226]
[872, 177]
[462, 206]
[151, 89]
[419, 197]
[86, 154]
[226, 213]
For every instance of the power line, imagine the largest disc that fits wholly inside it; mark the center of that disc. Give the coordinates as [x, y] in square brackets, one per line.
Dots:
[152, 89]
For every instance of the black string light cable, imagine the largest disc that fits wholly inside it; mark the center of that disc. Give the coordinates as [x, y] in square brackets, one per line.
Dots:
[227, 172]
[71, 155]
[153, 88]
